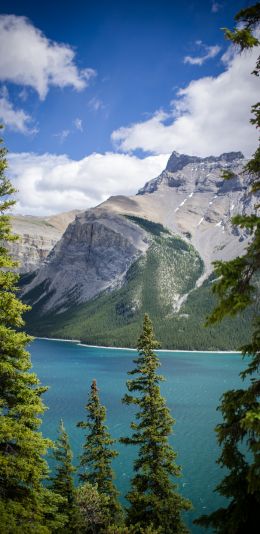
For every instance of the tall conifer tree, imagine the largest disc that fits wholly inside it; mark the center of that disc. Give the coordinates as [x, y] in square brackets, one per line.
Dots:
[25, 505]
[237, 287]
[153, 497]
[98, 454]
[62, 481]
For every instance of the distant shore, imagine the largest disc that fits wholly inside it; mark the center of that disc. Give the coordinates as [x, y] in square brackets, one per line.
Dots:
[78, 342]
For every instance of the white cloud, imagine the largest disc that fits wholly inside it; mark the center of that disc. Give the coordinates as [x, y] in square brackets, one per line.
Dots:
[15, 119]
[95, 103]
[210, 116]
[23, 94]
[62, 135]
[215, 7]
[209, 53]
[29, 58]
[49, 183]
[78, 124]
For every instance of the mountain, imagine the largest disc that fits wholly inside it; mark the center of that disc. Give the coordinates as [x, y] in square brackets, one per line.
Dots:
[37, 236]
[93, 255]
[150, 252]
[191, 198]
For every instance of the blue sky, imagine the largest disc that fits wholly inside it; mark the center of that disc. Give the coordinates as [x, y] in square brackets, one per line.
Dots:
[102, 92]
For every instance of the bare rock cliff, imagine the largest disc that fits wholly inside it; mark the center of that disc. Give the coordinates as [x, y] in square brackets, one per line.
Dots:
[37, 236]
[93, 255]
[191, 198]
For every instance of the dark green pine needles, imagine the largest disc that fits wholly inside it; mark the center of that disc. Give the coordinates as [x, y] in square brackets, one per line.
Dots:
[153, 498]
[237, 287]
[98, 454]
[25, 504]
[63, 483]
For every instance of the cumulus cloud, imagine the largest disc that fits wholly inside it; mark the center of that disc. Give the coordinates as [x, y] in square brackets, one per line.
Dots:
[15, 119]
[210, 116]
[209, 53]
[29, 58]
[50, 183]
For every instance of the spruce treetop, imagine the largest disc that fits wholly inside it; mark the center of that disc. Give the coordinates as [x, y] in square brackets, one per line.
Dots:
[154, 500]
[62, 482]
[97, 455]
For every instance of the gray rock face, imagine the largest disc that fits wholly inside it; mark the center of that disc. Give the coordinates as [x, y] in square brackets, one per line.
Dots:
[37, 236]
[177, 162]
[93, 255]
[191, 198]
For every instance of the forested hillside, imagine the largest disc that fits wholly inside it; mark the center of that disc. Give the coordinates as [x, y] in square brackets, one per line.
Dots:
[155, 283]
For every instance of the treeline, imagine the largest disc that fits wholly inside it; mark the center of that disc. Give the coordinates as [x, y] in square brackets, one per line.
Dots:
[114, 319]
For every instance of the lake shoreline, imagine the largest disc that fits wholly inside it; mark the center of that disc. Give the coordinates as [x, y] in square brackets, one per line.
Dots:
[78, 342]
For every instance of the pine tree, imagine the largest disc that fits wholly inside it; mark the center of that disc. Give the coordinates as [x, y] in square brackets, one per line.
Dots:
[238, 287]
[62, 481]
[97, 455]
[94, 509]
[132, 530]
[25, 505]
[153, 496]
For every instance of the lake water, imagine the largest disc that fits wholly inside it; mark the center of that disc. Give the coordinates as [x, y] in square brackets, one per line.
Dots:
[194, 384]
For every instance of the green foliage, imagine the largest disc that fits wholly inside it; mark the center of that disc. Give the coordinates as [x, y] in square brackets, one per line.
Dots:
[153, 496]
[94, 509]
[241, 425]
[113, 319]
[62, 481]
[26, 506]
[170, 266]
[234, 287]
[228, 175]
[97, 454]
[132, 529]
[149, 226]
[243, 36]
[237, 288]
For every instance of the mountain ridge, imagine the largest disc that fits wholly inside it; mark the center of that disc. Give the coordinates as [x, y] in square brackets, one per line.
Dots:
[180, 216]
[178, 161]
[37, 237]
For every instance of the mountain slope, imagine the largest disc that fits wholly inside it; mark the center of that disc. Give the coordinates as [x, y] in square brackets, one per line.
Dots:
[114, 319]
[148, 253]
[154, 283]
[94, 254]
[37, 236]
[191, 198]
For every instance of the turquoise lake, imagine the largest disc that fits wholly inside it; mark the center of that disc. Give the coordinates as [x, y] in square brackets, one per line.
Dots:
[193, 386]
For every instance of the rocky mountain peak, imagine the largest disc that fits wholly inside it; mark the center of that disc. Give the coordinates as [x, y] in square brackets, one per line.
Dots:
[189, 172]
[94, 256]
[178, 161]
